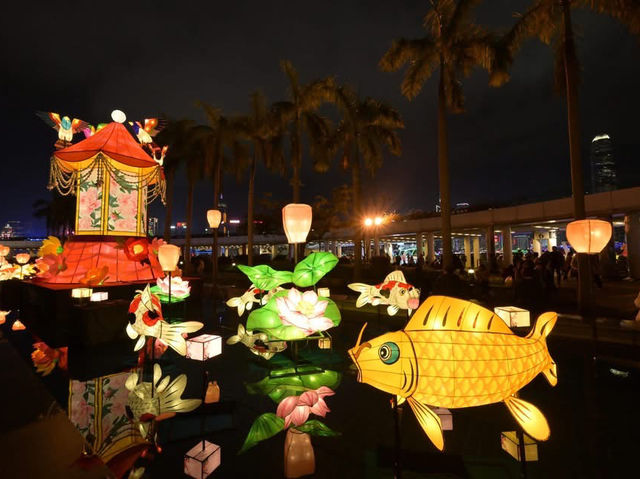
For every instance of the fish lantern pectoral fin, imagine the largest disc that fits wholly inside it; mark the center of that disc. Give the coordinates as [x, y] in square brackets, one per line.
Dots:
[429, 421]
[530, 418]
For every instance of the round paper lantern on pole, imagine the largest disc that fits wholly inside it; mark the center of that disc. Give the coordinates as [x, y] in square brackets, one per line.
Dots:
[214, 217]
[168, 256]
[589, 236]
[296, 219]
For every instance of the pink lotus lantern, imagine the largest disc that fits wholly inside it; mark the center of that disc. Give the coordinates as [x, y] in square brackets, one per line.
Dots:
[203, 347]
[202, 459]
[296, 219]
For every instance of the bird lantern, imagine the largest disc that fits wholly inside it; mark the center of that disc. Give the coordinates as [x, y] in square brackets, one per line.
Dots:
[214, 217]
[113, 179]
[589, 236]
[296, 219]
[168, 256]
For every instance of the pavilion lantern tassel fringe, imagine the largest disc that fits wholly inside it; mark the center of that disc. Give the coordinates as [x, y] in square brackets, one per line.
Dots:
[66, 181]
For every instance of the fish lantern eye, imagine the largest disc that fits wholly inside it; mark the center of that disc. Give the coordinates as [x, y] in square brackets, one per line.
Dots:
[389, 353]
[403, 291]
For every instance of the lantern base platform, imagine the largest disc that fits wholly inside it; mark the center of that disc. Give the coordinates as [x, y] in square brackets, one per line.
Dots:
[51, 314]
[83, 254]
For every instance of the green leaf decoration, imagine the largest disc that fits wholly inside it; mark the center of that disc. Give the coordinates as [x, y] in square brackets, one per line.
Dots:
[266, 317]
[164, 297]
[264, 277]
[311, 269]
[265, 426]
[317, 428]
[284, 382]
[332, 312]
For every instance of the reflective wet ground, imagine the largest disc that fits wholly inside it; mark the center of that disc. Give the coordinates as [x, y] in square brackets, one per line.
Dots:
[593, 412]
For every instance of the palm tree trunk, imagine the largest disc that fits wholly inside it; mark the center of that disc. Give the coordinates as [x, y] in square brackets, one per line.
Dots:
[573, 124]
[357, 213]
[187, 236]
[250, 201]
[216, 197]
[169, 205]
[443, 173]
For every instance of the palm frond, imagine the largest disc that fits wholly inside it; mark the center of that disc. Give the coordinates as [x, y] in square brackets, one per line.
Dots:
[417, 74]
[292, 75]
[626, 12]
[404, 51]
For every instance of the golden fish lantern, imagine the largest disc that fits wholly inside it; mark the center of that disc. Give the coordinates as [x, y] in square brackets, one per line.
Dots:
[454, 354]
[589, 236]
[168, 256]
[296, 219]
[299, 458]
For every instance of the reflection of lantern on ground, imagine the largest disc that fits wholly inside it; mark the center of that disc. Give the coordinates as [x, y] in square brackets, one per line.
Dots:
[296, 219]
[18, 326]
[589, 236]
[202, 459]
[325, 342]
[203, 347]
[299, 459]
[513, 316]
[510, 441]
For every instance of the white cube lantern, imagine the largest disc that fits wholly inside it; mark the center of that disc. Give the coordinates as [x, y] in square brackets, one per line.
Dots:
[446, 418]
[204, 347]
[202, 459]
[81, 293]
[511, 444]
[513, 316]
[324, 292]
[324, 343]
[99, 296]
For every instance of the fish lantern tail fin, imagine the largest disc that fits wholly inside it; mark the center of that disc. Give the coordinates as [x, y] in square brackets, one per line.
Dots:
[172, 335]
[540, 331]
[543, 326]
[363, 289]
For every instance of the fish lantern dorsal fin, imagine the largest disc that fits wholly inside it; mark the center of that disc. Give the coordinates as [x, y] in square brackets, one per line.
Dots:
[396, 275]
[443, 312]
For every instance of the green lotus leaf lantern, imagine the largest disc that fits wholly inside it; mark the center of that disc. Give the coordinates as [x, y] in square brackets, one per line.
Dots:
[311, 269]
[264, 277]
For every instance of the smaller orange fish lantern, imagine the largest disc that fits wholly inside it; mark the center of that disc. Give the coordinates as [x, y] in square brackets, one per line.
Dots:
[3, 316]
[296, 219]
[589, 236]
[18, 326]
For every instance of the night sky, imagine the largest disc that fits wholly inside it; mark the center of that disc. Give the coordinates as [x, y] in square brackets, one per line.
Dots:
[85, 59]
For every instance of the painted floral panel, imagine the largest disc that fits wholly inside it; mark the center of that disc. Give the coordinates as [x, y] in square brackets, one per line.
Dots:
[90, 204]
[123, 206]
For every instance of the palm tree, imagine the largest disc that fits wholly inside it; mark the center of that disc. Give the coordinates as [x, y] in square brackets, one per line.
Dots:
[299, 115]
[176, 136]
[454, 45]
[59, 214]
[366, 128]
[550, 21]
[223, 132]
[262, 129]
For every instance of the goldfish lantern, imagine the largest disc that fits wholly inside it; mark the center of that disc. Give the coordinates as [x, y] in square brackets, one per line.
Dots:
[213, 218]
[454, 354]
[296, 219]
[589, 236]
[113, 179]
[168, 256]
[394, 292]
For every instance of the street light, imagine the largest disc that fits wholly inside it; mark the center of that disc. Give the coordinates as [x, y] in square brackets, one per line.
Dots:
[375, 223]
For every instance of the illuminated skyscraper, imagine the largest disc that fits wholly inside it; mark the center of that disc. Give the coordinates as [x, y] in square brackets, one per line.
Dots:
[603, 165]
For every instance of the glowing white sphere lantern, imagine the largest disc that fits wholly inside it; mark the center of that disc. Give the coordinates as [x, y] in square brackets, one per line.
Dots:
[589, 236]
[118, 116]
[296, 219]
